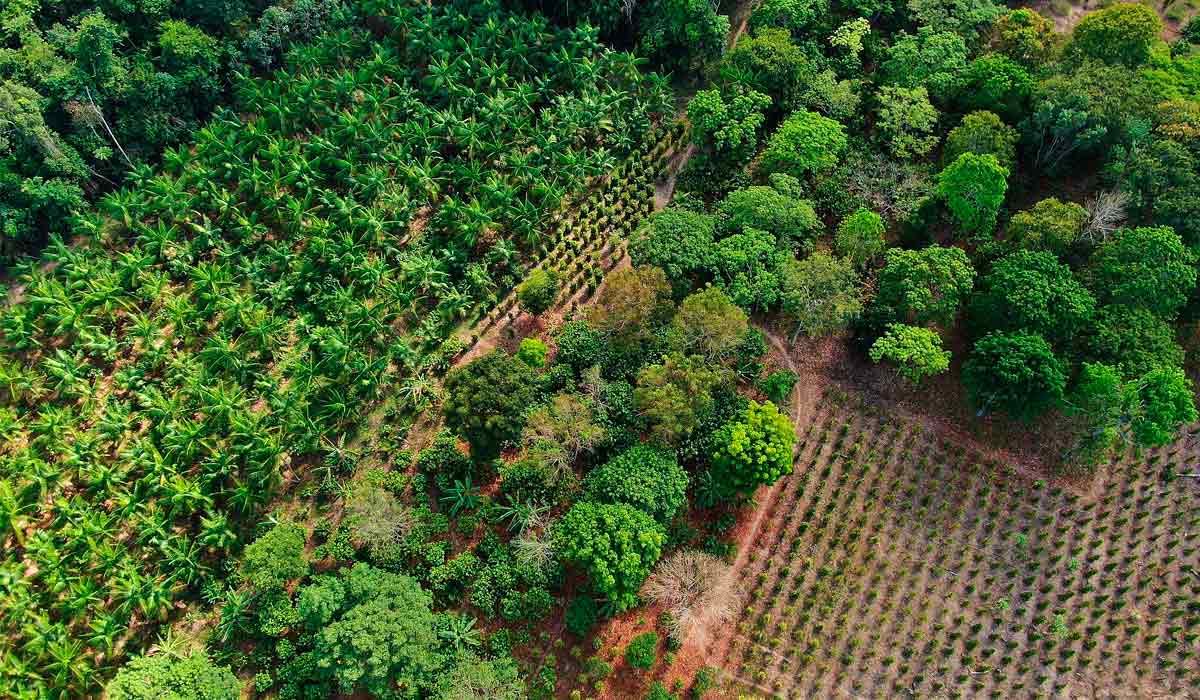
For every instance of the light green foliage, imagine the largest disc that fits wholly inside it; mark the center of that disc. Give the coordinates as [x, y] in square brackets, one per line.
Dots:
[479, 679]
[677, 241]
[682, 34]
[729, 128]
[916, 352]
[539, 290]
[755, 449]
[670, 396]
[820, 294]
[793, 15]
[276, 558]
[532, 352]
[708, 324]
[974, 187]
[770, 63]
[1145, 267]
[647, 478]
[929, 59]
[776, 208]
[860, 236]
[486, 401]
[1147, 410]
[745, 264]
[616, 545]
[384, 637]
[1050, 225]
[658, 691]
[1025, 36]
[1119, 34]
[806, 143]
[168, 677]
[906, 121]
[320, 600]
[1016, 373]
[1030, 290]
[642, 651]
[1133, 340]
[966, 18]
[849, 37]
[996, 83]
[1165, 401]
[927, 285]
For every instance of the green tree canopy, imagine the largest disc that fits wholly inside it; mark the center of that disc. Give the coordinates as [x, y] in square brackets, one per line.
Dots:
[276, 558]
[671, 395]
[906, 121]
[681, 34]
[755, 449]
[860, 236]
[998, 84]
[1144, 267]
[677, 241]
[806, 143]
[728, 126]
[775, 208]
[486, 401]
[631, 305]
[1030, 290]
[168, 677]
[710, 325]
[1121, 34]
[982, 133]
[615, 544]
[925, 286]
[539, 290]
[1026, 37]
[916, 352]
[1132, 340]
[930, 59]
[973, 187]
[1050, 225]
[769, 62]
[793, 15]
[1016, 373]
[645, 477]
[820, 294]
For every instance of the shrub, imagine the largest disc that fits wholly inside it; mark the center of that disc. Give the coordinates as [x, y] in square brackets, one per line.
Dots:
[754, 450]
[642, 651]
[276, 558]
[615, 544]
[860, 236]
[1120, 34]
[539, 290]
[647, 478]
[916, 352]
[778, 385]
[193, 677]
[581, 615]
[658, 691]
[486, 401]
[532, 352]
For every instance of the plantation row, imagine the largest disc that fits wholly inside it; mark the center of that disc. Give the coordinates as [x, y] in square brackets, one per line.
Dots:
[261, 291]
[895, 563]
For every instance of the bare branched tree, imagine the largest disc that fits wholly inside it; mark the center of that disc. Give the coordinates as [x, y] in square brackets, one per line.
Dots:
[1106, 213]
[696, 589]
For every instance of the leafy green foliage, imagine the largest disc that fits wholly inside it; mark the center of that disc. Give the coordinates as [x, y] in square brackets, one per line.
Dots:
[997, 84]
[973, 187]
[276, 558]
[906, 121]
[1032, 291]
[645, 477]
[778, 385]
[806, 143]
[860, 236]
[729, 129]
[581, 615]
[1050, 225]
[1145, 267]
[671, 395]
[982, 133]
[916, 352]
[820, 294]
[486, 401]
[681, 34]
[1025, 36]
[532, 352]
[642, 651]
[1016, 373]
[615, 544]
[631, 305]
[473, 678]
[192, 677]
[754, 450]
[929, 59]
[539, 290]
[1132, 340]
[580, 346]
[708, 324]
[925, 286]
[1121, 34]
[793, 15]
[777, 209]
[677, 241]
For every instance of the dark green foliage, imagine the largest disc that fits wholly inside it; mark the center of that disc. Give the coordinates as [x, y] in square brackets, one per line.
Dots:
[582, 613]
[276, 558]
[193, 677]
[778, 385]
[681, 35]
[997, 84]
[539, 290]
[982, 133]
[728, 127]
[1144, 267]
[677, 241]
[486, 402]
[1031, 291]
[1015, 373]
[769, 62]
[1120, 34]
[793, 15]
[775, 209]
[580, 346]
[930, 59]
[658, 691]
[642, 651]
[1132, 340]
[444, 460]
[616, 546]
[645, 477]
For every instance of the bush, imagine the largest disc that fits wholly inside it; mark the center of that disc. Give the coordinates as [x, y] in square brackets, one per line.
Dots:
[486, 401]
[160, 676]
[539, 290]
[276, 558]
[532, 352]
[617, 545]
[658, 691]
[581, 615]
[754, 450]
[642, 651]
[860, 236]
[580, 346]
[644, 477]
[916, 352]
[777, 385]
